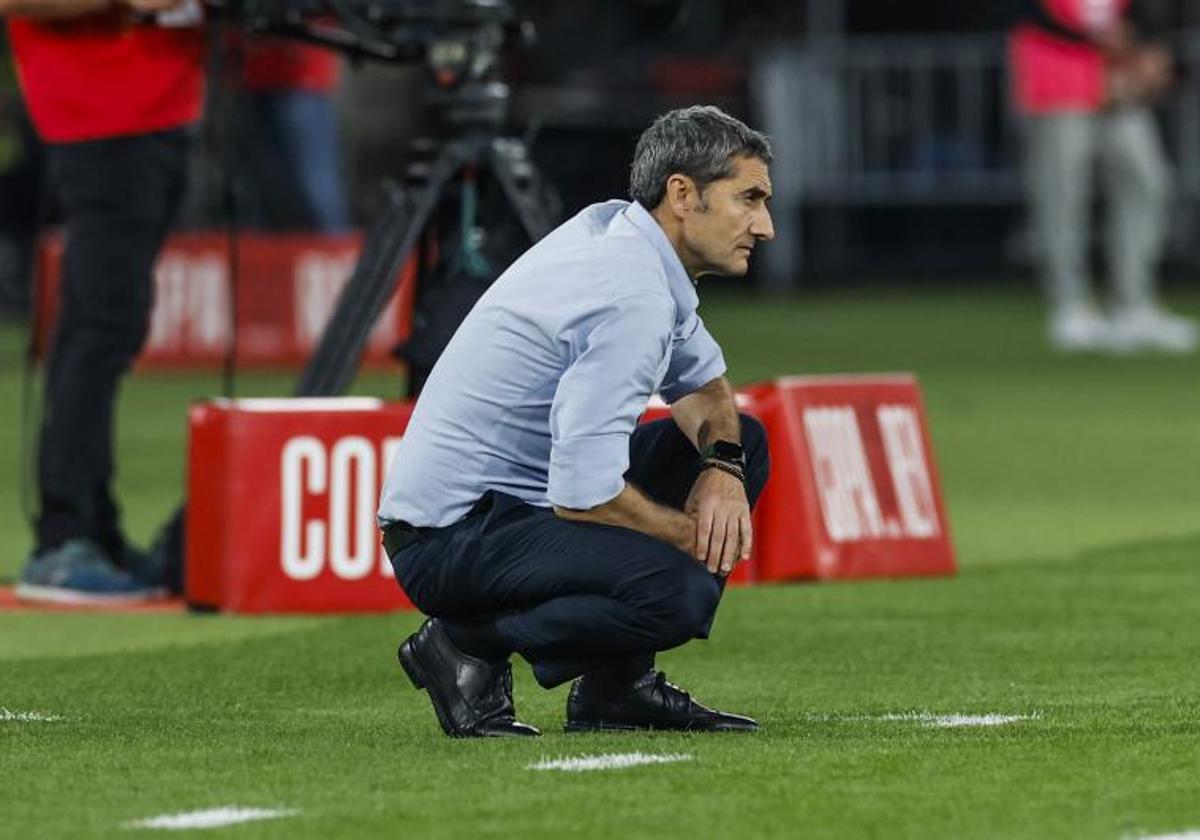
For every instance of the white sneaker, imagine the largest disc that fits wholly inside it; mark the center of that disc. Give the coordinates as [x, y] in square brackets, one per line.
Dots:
[1153, 328]
[1078, 328]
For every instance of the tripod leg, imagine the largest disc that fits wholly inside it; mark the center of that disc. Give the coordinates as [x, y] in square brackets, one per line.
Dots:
[535, 201]
[387, 247]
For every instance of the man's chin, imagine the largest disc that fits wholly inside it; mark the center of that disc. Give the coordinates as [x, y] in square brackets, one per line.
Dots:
[735, 268]
[739, 267]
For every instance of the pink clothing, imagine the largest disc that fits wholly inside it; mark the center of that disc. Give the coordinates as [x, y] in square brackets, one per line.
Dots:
[1054, 75]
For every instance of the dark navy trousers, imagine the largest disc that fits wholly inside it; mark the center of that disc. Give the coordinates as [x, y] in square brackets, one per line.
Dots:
[574, 598]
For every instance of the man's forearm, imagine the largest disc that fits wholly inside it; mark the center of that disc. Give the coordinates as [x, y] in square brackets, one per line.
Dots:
[635, 510]
[709, 414]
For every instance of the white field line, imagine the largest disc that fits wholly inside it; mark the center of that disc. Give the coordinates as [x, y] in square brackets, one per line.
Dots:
[211, 818]
[929, 719]
[949, 721]
[1190, 834]
[616, 761]
[26, 717]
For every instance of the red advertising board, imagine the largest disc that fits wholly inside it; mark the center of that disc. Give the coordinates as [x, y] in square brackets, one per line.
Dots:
[854, 489]
[282, 496]
[285, 291]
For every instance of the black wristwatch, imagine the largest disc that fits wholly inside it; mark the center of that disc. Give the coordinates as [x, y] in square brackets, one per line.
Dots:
[725, 452]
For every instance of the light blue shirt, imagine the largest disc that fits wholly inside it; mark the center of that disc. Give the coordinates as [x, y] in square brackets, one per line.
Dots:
[544, 381]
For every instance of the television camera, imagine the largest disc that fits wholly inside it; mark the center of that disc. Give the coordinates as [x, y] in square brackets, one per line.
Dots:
[460, 42]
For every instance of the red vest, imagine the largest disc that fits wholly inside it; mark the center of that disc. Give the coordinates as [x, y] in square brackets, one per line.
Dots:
[103, 76]
[1052, 74]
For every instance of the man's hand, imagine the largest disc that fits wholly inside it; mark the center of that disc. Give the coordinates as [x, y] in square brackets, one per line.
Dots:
[723, 531]
[1154, 70]
[1144, 75]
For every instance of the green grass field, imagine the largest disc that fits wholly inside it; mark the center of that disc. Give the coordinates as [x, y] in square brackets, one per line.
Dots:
[1073, 487]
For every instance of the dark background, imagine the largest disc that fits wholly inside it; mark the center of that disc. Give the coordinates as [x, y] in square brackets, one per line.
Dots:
[598, 73]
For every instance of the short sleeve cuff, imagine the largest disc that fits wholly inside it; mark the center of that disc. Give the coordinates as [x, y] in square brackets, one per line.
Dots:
[587, 471]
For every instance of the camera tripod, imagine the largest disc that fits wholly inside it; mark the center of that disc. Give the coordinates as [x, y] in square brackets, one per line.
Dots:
[468, 104]
[393, 238]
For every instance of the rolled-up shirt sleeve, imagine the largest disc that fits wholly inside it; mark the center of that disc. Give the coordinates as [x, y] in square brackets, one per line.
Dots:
[696, 360]
[618, 356]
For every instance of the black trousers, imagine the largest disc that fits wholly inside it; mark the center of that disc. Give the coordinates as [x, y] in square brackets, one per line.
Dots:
[575, 598]
[118, 197]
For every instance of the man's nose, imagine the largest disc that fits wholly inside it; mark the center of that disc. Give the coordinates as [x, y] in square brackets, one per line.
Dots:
[762, 227]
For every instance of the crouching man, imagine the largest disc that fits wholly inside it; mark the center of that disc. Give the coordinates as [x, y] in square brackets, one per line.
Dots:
[527, 512]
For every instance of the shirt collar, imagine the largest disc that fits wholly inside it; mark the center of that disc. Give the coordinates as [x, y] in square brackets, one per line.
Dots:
[682, 287]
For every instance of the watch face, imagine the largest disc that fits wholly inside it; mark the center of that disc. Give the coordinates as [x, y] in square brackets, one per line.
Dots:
[727, 451]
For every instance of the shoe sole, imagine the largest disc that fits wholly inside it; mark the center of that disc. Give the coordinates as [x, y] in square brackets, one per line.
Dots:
[417, 674]
[74, 597]
[579, 726]
[603, 727]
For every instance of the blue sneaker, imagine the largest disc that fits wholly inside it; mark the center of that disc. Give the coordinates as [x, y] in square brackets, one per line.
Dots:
[79, 572]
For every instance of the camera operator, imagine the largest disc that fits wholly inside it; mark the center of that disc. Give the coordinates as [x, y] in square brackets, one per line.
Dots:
[112, 87]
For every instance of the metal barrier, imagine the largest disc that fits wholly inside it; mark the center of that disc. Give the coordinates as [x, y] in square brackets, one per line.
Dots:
[913, 120]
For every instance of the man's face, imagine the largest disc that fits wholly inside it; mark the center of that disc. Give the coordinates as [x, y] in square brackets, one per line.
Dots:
[728, 221]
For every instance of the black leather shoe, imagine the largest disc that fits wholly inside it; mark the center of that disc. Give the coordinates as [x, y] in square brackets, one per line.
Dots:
[472, 698]
[650, 703]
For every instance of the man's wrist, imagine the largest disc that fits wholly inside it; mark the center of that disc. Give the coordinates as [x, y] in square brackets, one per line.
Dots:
[726, 456]
[726, 467]
[724, 450]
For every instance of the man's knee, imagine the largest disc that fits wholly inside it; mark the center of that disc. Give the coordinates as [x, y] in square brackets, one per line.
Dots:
[754, 434]
[111, 345]
[690, 606]
[758, 460]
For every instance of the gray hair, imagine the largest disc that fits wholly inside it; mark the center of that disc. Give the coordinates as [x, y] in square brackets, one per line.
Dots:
[700, 142]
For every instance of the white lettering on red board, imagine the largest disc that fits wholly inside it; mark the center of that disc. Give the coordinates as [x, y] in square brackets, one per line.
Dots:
[318, 281]
[346, 476]
[849, 503]
[191, 304]
[902, 444]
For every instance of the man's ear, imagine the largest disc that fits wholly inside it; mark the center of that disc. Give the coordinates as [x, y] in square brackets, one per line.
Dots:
[681, 196]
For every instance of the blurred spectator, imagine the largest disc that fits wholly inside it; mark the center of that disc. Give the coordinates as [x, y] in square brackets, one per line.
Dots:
[20, 181]
[1085, 80]
[111, 87]
[288, 127]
